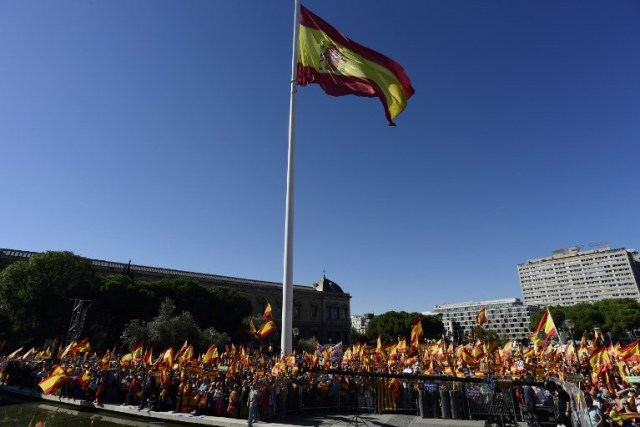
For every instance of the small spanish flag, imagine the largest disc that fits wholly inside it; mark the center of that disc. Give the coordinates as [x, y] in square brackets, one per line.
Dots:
[416, 331]
[267, 312]
[53, 381]
[481, 317]
[546, 329]
[211, 355]
[267, 329]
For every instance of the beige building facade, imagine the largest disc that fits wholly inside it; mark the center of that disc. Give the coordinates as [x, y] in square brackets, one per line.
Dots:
[321, 310]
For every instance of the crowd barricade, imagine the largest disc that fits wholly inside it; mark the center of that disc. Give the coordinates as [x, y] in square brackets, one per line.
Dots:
[331, 391]
[579, 410]
[426, 396]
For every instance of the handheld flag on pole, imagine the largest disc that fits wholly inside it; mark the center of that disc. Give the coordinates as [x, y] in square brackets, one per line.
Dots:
[267, 329]
[267, 312]
[545, 330]
[343, 67]
[481, 317]
[416, 332]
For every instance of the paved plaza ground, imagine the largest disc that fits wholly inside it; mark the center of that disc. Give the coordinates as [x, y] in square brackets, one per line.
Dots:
[306, 419]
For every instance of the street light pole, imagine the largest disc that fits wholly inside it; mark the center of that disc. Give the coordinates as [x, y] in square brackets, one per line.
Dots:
[569, 324]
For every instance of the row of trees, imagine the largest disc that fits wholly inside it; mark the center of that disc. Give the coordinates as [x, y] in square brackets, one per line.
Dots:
[620, 317]
[36, 303]
[392, 325]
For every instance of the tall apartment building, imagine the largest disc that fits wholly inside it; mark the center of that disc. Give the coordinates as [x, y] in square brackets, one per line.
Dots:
[570, 276]
[509, 317]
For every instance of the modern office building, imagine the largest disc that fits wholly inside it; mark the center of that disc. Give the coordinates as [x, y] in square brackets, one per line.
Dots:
[321, 310]
[570, 276]
[509, 317]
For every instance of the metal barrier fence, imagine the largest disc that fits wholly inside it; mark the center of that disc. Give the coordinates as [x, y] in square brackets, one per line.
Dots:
[426, 396]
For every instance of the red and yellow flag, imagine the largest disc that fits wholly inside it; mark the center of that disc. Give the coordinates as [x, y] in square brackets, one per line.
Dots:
[416, 331]
[51, 382]
[147, 359]
[402, 345]
[252, 328]
[137, 352]
[126, 359]
[600, 361]
[343, 67]
[69, 349]
[14, 354]
[630, 352]
[168, 357]
[478, 350]
[481, 317]
[379, 345]
[267, 329]
[545, 329]
[186, 355]
[83, 346]
[267, 312]
[211, 355]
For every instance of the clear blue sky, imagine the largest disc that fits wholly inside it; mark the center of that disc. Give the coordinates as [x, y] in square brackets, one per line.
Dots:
[156, 131]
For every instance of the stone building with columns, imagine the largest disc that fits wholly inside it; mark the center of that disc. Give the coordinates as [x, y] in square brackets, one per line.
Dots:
[321, 310]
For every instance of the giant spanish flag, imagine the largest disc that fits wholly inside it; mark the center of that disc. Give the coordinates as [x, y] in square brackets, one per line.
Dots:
[343, 67]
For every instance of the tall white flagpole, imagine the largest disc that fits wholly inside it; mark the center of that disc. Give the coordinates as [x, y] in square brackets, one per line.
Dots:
[287, 282]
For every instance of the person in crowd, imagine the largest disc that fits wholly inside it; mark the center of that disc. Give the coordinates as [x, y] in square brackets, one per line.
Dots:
[252, 403]
[563, 403]
[595, 413]
[530, 401]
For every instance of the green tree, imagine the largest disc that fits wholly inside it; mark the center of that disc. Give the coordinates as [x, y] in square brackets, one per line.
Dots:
[120, 299]
[619, 315]
[35, 295]
[168, 329]
[393, 325]
[117, 300]
[611, 315]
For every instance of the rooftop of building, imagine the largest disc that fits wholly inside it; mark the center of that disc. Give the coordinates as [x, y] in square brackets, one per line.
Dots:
[487, 303]
[119, 266]
[576, 251]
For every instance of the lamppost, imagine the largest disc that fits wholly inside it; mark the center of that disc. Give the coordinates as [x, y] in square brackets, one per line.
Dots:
[570, 324]
[295, 332]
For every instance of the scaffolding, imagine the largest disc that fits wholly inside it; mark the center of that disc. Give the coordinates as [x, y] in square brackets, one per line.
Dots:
[78, 318]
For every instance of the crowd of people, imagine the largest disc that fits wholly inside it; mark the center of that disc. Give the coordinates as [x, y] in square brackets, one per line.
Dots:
[249, 383]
